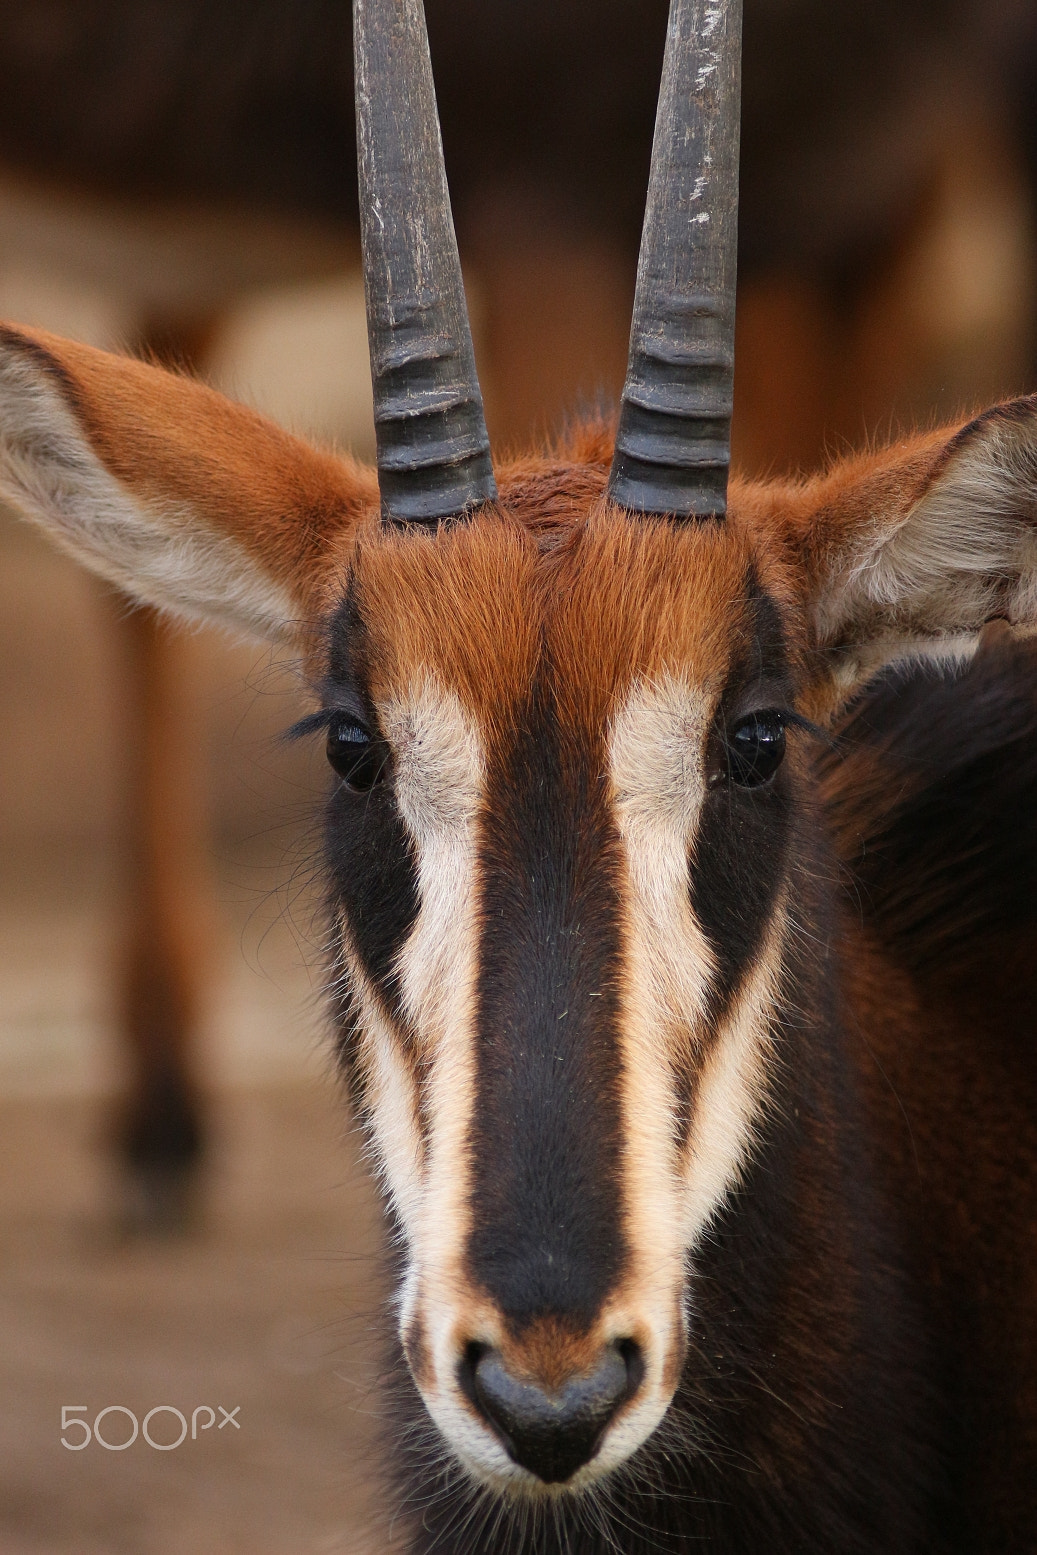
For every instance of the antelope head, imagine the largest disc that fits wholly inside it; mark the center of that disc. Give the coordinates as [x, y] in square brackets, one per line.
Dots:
[568, 839]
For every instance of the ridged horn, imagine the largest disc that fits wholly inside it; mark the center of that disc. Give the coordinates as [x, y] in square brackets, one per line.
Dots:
[433, 451]
[674, 437]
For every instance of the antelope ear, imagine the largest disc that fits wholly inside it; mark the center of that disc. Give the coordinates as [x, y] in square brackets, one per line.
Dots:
[182, 498]
[910, 551]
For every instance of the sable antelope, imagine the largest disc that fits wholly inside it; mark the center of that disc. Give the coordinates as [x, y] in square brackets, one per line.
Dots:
[850, 109]
[713, 1181]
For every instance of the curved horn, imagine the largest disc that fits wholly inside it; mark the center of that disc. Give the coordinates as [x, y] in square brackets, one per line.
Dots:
[673, 442]
[433, 451]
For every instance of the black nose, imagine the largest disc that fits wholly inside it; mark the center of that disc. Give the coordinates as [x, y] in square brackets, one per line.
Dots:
[552, 1434]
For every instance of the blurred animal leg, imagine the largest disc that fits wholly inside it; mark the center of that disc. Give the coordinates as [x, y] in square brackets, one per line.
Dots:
[161, 1132]
[171, 927]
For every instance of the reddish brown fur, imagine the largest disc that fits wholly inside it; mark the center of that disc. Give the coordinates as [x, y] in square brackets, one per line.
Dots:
[300, 512]
[624, 600]
[550, 1353]
[949, 1073]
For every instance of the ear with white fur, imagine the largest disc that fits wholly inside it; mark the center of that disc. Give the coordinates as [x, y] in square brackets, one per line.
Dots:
[911, 550]
[164, 487]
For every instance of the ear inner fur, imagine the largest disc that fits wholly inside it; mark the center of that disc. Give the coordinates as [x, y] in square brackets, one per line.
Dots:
[906, 551]
[213, 498]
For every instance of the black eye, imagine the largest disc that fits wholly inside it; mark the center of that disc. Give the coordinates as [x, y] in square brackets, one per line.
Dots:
[756, 749]
[359, 760]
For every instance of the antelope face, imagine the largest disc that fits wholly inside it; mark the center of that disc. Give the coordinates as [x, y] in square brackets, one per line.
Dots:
[547, 746]
[560, 841]
[556, 848]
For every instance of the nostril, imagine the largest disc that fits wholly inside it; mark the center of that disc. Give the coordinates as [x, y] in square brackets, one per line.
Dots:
[551, 1432]
[467, 1368]
[634, 1361]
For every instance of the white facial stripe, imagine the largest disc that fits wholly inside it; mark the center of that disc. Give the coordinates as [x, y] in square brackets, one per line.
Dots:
[657, 758]
[439, 778]
[438, 783]
[389, 1084]
[731, 1088]
[657, 754]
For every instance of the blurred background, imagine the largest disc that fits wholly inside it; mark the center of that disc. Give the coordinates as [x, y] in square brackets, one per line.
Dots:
[183, 1217]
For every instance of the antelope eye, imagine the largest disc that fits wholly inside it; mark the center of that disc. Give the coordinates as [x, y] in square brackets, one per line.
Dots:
[359, 760]
[756, 748]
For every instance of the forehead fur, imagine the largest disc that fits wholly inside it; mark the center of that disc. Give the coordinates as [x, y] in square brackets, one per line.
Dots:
[554, 574]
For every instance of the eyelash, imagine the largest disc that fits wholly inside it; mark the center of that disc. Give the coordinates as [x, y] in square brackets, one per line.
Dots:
[313, 723]
[796, 721]
[316, 723]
